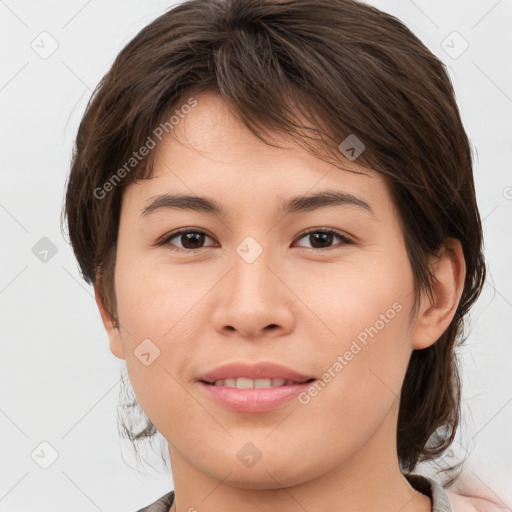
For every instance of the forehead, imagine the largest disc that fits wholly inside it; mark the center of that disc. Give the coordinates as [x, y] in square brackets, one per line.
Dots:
[212, 130]
[210, 152]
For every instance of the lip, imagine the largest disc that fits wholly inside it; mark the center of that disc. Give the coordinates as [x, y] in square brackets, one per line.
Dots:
[256, 399]
[253, 400]
[261, 370]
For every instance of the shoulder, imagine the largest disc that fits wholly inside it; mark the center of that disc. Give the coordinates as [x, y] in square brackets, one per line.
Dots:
[462, 503]
[469, 493]
[453, 500]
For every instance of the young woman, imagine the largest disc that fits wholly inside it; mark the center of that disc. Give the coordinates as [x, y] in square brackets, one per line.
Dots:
[274, 201]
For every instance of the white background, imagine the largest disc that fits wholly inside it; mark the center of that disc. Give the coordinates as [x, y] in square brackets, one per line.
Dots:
[59, 381]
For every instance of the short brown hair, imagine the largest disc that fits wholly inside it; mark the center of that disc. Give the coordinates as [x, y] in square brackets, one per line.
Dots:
[347, 69]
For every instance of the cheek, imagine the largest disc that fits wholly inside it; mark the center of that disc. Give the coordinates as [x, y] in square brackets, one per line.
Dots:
[159, 330]
[365, 354]
[360, 299]
[360, 381]
[150, 299]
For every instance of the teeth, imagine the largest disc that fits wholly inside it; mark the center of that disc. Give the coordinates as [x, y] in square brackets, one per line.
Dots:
[244, 383]
[262, 383]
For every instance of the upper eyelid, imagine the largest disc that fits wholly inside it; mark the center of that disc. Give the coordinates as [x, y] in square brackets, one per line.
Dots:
[182, 231]
[344, 237]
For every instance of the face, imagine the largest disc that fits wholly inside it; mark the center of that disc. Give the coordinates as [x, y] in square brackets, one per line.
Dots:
[325, 291]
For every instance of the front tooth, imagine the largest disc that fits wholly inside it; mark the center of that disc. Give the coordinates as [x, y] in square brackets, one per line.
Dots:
[243, 383]
[278, 382]
[263, 383]
[230, 383]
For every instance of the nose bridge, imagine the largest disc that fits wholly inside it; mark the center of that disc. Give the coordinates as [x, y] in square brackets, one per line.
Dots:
[251, 280]
[252, 298]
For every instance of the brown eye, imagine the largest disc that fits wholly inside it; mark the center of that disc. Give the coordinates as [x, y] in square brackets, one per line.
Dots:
[323, 238]
[188, 239]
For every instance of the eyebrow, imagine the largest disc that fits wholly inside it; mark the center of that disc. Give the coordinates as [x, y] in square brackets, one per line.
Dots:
[296, 204]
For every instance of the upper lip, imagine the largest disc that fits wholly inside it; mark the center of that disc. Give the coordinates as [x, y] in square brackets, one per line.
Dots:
[262, 370]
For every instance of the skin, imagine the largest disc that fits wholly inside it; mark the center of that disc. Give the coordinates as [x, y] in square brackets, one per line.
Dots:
[470, 494]
[208, 307]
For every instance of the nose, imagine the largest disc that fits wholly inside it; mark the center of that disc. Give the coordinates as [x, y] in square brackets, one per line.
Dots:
[253, 300]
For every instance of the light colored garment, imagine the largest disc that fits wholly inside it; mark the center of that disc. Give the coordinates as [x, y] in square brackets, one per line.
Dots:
[423, 484]
[429, 487]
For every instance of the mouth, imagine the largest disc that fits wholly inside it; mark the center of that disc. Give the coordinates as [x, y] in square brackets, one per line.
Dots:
[253, 387]
[246, 383]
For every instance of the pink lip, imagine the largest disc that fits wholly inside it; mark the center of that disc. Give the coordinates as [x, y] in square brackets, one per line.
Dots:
[256, 399]
[262, 370]
[253, 400]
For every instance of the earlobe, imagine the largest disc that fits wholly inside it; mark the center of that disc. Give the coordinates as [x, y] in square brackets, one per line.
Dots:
[434, 316]
[114, 334]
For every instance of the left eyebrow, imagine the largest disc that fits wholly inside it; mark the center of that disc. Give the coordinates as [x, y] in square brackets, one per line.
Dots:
[296, 204]
[310, 202]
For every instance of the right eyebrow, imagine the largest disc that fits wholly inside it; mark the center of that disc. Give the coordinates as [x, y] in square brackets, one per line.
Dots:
[184, 202]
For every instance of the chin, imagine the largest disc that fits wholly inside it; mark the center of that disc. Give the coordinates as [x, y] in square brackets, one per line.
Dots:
[267, 473]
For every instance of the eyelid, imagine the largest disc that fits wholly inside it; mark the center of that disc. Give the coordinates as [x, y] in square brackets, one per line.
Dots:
[340, 234]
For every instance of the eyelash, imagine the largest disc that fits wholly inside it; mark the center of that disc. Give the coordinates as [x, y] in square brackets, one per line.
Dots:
[165, 241]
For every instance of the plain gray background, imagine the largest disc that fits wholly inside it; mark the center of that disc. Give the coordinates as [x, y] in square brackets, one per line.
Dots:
[59, 381]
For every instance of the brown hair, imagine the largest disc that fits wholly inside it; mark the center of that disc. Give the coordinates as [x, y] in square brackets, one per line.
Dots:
[344, 67]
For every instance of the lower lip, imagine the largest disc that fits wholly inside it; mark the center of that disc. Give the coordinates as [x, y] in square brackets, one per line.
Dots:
[256, 399]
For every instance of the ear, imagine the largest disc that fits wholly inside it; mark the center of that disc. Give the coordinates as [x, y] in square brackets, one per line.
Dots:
[114, 334]
[434, 317]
